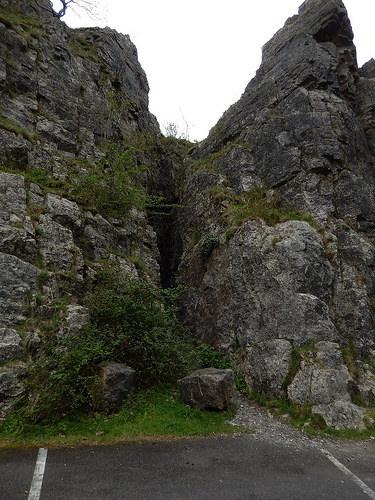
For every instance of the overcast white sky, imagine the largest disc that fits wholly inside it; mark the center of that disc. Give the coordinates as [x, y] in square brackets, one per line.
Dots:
[199, 55]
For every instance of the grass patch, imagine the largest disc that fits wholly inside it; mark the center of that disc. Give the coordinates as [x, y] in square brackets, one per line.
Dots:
[209, 163]
[80, 47]
[153, 413]
[260, 203]
[11, 126]
[31, 26]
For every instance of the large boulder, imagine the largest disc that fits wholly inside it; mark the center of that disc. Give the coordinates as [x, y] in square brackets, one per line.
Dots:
[117, 382]
[208, 389]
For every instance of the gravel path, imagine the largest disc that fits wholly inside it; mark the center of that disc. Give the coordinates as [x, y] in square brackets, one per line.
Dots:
[266, 427]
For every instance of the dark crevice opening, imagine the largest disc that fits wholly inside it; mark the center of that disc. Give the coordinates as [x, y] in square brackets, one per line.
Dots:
[165, 224]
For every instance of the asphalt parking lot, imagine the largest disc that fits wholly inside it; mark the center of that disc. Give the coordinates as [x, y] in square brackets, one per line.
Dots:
[225, 468]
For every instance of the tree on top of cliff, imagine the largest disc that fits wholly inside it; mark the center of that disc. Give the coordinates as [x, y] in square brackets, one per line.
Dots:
[65, 4]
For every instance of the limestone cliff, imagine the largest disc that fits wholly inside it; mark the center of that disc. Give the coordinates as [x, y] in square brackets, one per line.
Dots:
[274, 238]
[297, 150]
[69, 100]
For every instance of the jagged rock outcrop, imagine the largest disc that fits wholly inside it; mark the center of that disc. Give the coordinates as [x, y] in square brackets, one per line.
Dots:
[299, 144]
[68, 99]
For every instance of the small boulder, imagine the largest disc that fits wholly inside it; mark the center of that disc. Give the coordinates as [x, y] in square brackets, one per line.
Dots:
[208, 389]
[10, 345]
[117, 382]
[341, 415]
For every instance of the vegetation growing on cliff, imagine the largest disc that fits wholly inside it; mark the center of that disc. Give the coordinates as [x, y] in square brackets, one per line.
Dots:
[261, 203]
[131, 322]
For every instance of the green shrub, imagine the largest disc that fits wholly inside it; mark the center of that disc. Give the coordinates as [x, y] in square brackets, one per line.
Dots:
[208, 245]
[210, 357]
[111, 186]
[131, 322]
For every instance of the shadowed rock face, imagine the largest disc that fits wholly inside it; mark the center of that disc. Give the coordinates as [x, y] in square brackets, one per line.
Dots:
[303, 130]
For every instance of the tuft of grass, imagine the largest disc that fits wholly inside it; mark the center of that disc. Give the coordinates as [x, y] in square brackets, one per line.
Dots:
[153, 413]
[260, 203]
[11, 126]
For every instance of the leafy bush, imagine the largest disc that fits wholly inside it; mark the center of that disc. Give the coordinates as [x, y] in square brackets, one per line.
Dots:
[210, 357]
[111, 187]
[131, 322]
[208, 245]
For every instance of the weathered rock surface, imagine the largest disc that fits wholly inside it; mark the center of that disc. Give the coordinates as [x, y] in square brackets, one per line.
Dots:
[10, 345]
[322, 378]
[76, 318]
[341, 415]
[303, 131]
[11, 386]
[51, 246]
[117, 382]
[267, 367]
[208, 389]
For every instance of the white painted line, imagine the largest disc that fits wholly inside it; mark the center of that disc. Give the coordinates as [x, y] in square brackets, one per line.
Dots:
[366, 489]
[36, 484]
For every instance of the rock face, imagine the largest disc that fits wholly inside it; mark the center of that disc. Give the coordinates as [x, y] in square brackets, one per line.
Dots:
[68, 98]
[297, 150]
[208, 389]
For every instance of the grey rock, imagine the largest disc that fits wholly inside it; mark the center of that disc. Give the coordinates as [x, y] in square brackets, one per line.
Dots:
[364, 386]
[322, 379]
[76, 318]
[10, 345]
[266, 283]
[341, 415]
[267, 366]
[117, 382]
[18, 282]
[12, 196]
[63, 211]
[208, 389]
[11, 387]
[16, 231]
[57, 246]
